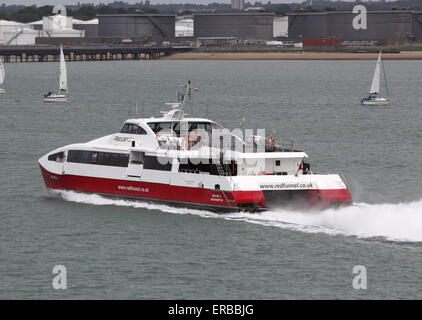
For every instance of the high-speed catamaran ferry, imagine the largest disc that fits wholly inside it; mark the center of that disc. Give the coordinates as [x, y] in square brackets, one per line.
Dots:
[191, 162]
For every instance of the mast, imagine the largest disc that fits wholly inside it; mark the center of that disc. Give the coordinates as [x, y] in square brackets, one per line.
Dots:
[188, 87]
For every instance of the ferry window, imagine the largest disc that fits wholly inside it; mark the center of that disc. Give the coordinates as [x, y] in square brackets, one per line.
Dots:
[132, 129]
[180, 127]
[200, 126]
[137, 157]
[277, 162]
[162, 127]
[188, 167]
[216, 126]
[204, 126]
[98, 158]
[153, 163]
[176, 129]
[113, 159]
[185, 165]
[152, 126]
[139, 130]
[79, 156]
[192, 126]
[59, 157]
[94, 156]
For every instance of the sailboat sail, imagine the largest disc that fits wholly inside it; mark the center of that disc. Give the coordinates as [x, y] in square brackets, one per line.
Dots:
[63, 71]
[375, 87]
[385, 79]
[2, 74]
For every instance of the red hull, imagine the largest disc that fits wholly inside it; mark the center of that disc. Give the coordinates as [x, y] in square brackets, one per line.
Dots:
[178, 194]
[154, 191]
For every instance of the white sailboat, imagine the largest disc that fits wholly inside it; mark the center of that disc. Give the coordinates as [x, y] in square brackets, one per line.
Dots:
[2, 76]
[62, 95]
[374, 94]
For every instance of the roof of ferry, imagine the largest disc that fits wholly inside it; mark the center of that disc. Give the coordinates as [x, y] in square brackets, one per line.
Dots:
[153, 119]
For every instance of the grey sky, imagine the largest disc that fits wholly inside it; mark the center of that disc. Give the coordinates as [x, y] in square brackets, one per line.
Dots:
[52, 2]
[65, 2]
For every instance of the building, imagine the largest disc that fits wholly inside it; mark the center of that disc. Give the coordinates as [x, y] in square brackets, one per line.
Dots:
[281, 27]
[59, 26]
[90, 27]
[156, 27]
[16, 33]
[184, 27]
[238, 4]
[241, 25]
[385, 27]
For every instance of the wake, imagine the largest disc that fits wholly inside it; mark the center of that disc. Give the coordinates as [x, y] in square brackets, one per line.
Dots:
[400, 222]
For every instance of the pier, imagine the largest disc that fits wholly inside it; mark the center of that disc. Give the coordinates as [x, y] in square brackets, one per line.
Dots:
[41, 53]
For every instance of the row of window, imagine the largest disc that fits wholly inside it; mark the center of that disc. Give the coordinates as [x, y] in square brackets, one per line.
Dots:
[98, 158]
[153, 163]
[149, 162]
[132, 129]
[210, 167]
[167, 127]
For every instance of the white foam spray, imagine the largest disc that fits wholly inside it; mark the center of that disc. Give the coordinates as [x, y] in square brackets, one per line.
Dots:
[394, 222]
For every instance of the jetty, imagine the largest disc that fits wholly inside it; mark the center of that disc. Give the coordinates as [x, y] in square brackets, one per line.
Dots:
[44, 53]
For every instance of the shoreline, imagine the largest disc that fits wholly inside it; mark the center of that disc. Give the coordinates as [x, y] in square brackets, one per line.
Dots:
[404, 55]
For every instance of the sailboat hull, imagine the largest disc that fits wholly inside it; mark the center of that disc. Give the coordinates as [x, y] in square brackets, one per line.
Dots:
[56, 98]
[376, 102]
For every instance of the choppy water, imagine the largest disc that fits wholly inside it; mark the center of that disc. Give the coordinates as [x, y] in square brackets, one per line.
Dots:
[126, 249]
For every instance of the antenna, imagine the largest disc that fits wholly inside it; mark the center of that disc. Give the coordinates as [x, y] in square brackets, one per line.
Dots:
[242, 122]
[188, 87]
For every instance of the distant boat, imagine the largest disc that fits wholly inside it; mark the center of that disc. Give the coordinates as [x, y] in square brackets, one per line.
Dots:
[62, 95]
[374, 94]
[2, 76]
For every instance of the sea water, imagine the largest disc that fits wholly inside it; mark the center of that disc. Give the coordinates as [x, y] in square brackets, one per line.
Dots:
[125, 249]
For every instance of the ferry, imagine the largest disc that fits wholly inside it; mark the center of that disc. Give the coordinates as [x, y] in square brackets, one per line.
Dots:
[192, 162]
